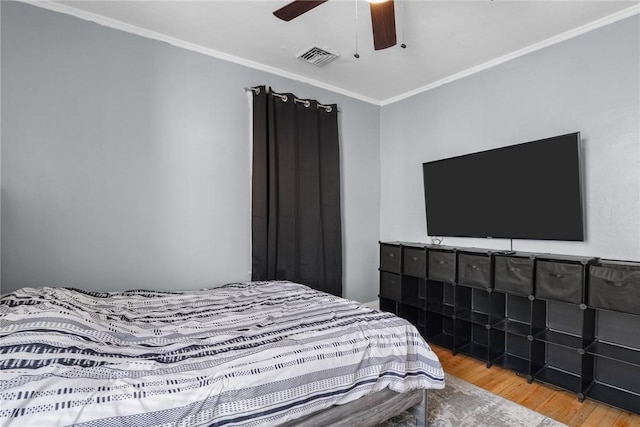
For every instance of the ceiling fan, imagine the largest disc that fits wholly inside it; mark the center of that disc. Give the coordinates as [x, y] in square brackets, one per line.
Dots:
[383, 22]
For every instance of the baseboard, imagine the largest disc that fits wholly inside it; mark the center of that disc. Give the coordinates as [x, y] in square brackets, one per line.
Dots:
[372, 304]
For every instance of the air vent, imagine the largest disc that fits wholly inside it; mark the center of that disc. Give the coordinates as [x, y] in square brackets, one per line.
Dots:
[316, 55]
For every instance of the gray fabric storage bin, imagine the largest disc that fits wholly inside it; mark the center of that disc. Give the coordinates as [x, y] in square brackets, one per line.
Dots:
[442, 266]
[560, 281]
[514, 275]
[390, 258]
[415, 262]
[474, 270]
[615, 287]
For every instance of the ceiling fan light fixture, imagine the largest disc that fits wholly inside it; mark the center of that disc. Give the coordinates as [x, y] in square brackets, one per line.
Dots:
[383, 23]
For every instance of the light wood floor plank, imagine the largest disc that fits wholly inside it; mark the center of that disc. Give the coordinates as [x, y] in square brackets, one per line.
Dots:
[624, 421]
[561, 407]
[595, 416]
[536, 394]
[588, 406]
[610, 417]
[557, 404]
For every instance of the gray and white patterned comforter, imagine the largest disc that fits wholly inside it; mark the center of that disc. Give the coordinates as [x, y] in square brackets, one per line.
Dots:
[256, 353]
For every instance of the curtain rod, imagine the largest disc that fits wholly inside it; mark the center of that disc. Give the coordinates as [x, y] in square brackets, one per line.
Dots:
[255, 90]
[285, 98]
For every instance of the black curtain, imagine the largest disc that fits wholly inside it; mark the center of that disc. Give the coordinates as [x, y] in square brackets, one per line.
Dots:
[296, 216]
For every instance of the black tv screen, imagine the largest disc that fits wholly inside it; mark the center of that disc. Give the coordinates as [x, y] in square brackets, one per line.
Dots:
[525, 191]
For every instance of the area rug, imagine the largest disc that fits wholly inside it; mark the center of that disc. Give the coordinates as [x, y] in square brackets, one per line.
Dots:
[463, 404]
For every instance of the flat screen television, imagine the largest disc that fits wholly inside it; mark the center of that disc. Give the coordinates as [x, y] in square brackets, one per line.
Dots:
[525, 191]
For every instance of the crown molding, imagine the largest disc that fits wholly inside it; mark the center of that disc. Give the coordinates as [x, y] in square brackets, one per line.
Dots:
[139, 31]
[132, 29]
[610, 19]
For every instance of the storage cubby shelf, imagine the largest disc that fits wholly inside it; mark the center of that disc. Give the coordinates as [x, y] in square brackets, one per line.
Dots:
[616, 352]
[444, 309]
[474, 317]
[559, 338]
[513, 363]
[568, 321]
[388, 305]
[419, 304]
[559, 378]
[475, 350]
[615, 397]
[442, 340]
[513, 327]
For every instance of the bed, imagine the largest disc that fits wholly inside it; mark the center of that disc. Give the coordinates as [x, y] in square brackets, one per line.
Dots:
[258, 353]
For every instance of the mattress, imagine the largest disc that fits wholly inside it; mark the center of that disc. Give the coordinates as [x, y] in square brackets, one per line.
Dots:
[258, 353]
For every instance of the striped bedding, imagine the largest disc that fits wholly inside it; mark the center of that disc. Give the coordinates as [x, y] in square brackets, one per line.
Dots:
[258, 353]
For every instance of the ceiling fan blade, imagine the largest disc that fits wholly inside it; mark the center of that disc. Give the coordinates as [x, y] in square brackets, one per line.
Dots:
[296, 8]
[383, 22]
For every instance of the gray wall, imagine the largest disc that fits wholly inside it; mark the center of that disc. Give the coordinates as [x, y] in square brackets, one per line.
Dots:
[588, 84]
[126, 161]
[0, 151]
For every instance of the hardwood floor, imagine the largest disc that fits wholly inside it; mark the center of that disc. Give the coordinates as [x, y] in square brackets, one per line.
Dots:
[557, 404]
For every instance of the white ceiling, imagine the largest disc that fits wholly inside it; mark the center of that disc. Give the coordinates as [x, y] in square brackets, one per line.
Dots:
[444, 39]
